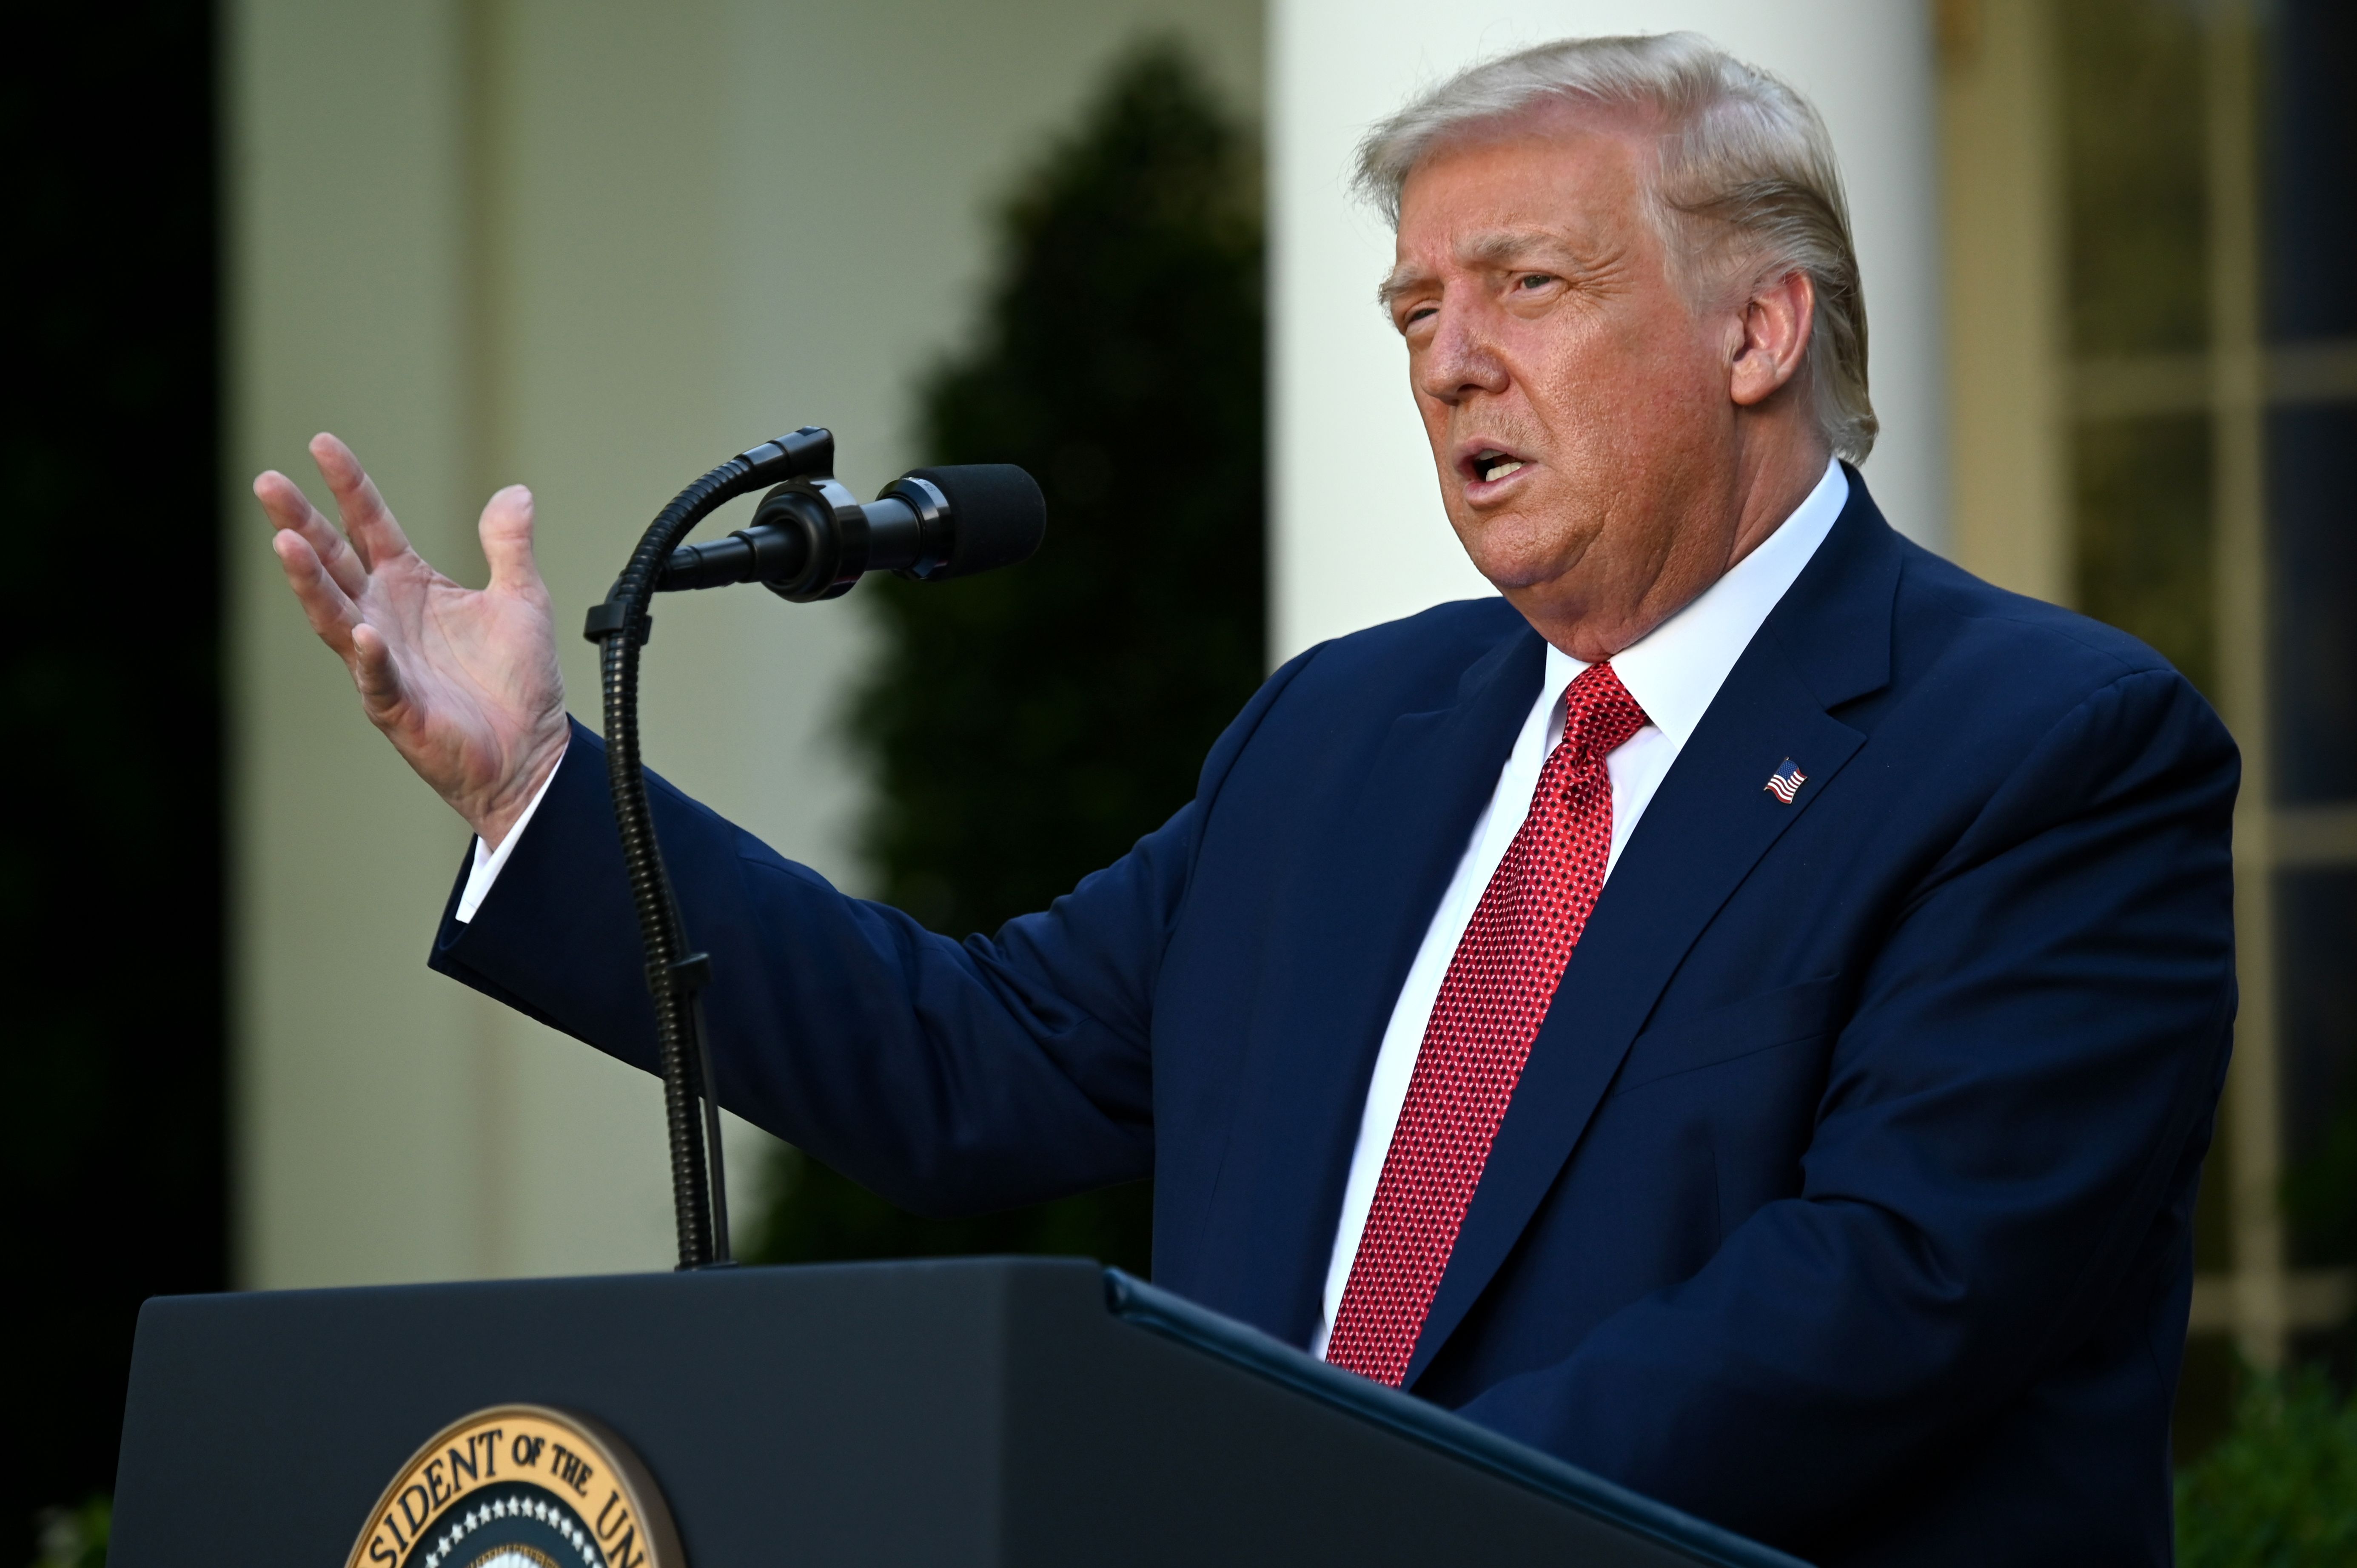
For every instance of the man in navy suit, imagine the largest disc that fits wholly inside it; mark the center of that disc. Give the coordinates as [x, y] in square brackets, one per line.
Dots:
[1743, 1010]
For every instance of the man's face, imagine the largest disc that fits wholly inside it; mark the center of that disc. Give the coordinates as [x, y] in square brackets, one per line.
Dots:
[1578, 407]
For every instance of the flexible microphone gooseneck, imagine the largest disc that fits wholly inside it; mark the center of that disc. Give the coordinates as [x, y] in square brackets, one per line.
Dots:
[808, 541]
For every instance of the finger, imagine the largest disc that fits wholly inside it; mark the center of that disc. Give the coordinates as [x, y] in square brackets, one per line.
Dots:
[506, 533]
[325, 605]
[367, 520]
[288, 508]
[373, 671]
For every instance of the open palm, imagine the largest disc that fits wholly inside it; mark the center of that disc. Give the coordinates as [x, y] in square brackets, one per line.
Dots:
[464, 681]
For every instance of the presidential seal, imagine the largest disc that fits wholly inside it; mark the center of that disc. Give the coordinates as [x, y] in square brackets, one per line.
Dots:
[521, 1486]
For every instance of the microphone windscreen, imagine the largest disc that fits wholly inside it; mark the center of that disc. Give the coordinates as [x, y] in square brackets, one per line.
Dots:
[997, 515]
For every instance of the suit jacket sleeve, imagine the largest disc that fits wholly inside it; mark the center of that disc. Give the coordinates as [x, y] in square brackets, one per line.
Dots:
[951, 1077]
[2024, 1081]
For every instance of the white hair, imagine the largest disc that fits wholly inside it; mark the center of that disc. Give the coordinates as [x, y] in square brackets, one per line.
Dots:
[1745, 180]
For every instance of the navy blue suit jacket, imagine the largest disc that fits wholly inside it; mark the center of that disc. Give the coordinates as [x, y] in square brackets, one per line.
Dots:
[1845, 1199]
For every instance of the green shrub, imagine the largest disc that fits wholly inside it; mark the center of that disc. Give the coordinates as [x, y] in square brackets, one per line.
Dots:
[76, 1538]
[1027, 728]
[2279, 1490]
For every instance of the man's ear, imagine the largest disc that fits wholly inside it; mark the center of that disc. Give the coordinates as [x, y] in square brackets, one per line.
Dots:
[1777, 320]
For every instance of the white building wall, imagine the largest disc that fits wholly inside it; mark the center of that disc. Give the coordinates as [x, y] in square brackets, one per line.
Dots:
[1360, 535]
[596, 247]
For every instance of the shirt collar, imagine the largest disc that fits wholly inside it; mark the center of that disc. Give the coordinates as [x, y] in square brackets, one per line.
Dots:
[1674, 669]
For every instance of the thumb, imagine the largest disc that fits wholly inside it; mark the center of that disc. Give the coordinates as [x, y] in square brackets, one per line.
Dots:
[506, 533]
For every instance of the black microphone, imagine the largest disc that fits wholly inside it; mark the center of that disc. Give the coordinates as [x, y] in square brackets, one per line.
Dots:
[809, 540]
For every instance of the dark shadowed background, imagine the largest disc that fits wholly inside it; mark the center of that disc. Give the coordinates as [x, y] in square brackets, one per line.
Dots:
[111, 866]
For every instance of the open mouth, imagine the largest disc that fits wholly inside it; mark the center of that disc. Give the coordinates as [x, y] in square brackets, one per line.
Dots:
[1492, 463]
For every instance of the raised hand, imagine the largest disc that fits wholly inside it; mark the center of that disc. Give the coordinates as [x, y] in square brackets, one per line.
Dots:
[464, 683]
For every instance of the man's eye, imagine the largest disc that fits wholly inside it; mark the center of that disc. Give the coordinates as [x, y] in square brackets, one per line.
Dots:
[1533, 280]
[1418, 314]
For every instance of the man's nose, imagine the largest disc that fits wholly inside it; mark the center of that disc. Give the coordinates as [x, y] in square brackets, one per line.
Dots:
[1461, 359]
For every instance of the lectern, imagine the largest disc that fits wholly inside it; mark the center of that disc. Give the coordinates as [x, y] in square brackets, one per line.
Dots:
[973, 1412]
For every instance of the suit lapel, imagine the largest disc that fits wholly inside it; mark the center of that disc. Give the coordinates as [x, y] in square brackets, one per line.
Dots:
[1281, 1176]
[1705, 828]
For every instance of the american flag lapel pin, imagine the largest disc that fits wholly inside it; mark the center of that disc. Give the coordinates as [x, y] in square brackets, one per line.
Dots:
[1786, 781]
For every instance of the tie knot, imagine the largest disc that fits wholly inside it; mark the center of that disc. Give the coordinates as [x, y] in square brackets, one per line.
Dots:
[1598, 714]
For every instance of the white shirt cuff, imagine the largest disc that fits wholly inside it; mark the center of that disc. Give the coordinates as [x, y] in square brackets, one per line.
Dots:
[487, 868]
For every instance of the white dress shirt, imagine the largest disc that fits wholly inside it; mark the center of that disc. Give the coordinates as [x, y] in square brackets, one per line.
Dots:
[489, 864]
[1673, 671]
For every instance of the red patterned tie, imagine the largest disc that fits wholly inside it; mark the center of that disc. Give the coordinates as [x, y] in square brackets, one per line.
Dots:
[1489, 1008]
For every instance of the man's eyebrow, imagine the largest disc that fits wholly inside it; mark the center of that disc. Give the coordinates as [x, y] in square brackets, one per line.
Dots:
[1502, 246]
[1397, 281]
[1498, 248]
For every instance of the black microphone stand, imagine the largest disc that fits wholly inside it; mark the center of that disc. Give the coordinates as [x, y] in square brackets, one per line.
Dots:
[809, 540]
[675, 972]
